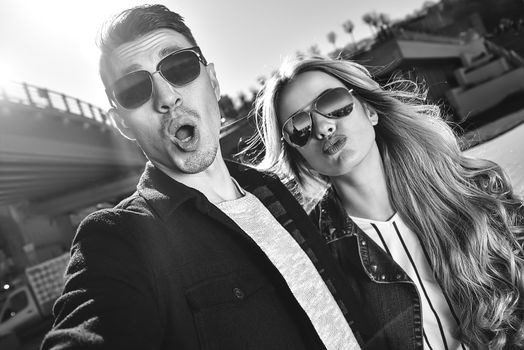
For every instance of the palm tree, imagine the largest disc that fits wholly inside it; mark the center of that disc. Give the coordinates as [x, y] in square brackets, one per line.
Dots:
[427, 4]
[384, 20]
[370, 18]
[314, 50]
[332, 38]
[227, 108]
[348, 28]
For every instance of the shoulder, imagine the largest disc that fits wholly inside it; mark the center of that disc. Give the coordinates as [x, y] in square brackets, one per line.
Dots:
[126, 227]
[124, 214]
[126, 242]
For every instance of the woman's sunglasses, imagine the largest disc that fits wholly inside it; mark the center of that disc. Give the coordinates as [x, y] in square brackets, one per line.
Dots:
[179, 68]
[333, 103]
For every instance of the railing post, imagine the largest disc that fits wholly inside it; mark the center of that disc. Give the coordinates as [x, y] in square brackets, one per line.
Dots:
[93, 116]
[65, 103]
[44, 93]
[28, 95]
[105, 119]
[80, 107]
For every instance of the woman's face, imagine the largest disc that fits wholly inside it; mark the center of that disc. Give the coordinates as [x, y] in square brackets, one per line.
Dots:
[336, 146]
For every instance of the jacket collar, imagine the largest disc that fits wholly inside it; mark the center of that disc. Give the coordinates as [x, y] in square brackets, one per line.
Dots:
[165, 194]
[162, 192]
[333, 219]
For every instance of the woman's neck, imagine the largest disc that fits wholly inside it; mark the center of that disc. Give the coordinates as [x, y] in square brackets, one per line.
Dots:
[364, 192]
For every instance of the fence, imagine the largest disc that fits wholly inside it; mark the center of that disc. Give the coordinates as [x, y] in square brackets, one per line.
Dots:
[30, 95]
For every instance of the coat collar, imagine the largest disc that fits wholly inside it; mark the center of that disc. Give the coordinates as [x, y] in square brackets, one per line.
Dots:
[165, 194]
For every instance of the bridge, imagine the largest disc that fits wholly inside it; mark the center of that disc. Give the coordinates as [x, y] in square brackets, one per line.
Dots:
[59, 153]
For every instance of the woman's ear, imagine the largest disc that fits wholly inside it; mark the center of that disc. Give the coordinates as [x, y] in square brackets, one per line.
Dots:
[372, 114]
[121, 124]
[373, 117]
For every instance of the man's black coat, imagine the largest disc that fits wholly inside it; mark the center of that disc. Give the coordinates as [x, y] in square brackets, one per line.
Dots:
[166, 269]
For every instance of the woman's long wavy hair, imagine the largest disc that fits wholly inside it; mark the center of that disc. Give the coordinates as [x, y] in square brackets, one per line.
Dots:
[464, 210]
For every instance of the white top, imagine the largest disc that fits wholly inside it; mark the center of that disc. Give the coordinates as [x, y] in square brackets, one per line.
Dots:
[294, 265]
[404, 247]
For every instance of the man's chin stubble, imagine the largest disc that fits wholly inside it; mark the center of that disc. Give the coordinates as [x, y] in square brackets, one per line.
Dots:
[199, 161]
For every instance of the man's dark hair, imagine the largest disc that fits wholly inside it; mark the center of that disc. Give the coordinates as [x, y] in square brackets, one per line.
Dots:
[132, 24]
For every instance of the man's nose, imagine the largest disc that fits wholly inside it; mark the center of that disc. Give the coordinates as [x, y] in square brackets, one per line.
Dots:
[165, 96]
[322, 127]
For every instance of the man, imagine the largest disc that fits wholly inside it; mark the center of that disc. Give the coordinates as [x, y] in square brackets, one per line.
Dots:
[203, 255]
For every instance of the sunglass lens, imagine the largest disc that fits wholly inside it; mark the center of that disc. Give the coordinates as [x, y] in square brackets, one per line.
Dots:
[298, 129]
[336, 103]
[133, 90]
[180, 68]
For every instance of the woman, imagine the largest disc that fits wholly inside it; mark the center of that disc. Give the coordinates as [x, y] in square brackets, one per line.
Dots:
[430, 240]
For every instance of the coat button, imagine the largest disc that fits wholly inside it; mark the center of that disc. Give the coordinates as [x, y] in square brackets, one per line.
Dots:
[374, 267]
[239, 294]
[398, 276]
[382, 277]
[363, 242]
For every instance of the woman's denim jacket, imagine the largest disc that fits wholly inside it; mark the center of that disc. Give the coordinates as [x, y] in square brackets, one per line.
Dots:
[388, 296]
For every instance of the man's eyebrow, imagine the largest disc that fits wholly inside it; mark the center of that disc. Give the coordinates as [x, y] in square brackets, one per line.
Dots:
[168, 50]
[132, 68]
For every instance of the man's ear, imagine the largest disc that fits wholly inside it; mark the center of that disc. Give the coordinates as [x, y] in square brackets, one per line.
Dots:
[121, 124]
[213, 79]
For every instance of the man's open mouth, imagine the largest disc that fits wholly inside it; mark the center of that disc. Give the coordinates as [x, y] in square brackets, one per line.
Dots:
[184, 134]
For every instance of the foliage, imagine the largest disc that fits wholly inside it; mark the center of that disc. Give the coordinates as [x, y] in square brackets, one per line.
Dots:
[332, 37]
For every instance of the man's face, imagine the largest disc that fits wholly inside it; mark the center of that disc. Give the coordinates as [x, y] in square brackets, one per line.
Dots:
[178, 127]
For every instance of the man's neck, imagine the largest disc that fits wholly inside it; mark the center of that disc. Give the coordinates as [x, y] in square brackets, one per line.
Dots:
[215, 182]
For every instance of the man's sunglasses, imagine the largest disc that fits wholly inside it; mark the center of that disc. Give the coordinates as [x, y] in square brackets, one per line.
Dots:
[333, 103]
[178, 68]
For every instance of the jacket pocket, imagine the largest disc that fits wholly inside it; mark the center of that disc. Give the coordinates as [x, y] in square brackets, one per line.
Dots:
[241, 311]
[221, 291]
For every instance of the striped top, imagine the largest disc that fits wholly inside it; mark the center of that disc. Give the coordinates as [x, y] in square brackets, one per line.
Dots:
[397, 240]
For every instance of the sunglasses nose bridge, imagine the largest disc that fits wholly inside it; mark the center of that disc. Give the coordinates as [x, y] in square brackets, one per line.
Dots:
[165, 95]
[157, 72]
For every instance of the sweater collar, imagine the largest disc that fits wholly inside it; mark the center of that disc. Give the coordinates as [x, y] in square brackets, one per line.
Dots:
[165, 194]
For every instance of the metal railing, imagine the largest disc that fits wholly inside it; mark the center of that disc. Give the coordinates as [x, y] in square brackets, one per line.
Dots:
[42, 98]
[38, 97]
[233, 126]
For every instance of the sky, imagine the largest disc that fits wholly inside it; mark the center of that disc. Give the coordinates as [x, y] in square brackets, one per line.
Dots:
[52, 43]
